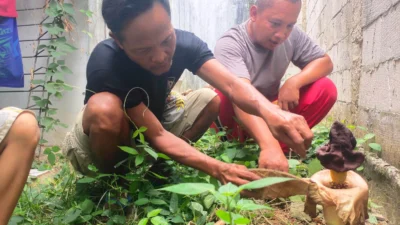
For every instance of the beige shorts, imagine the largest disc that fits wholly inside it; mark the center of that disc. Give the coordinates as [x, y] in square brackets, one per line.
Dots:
[76, 143]
[7, 117]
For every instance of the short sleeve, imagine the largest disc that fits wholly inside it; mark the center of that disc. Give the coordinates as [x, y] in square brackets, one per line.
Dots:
[104, 81]
[197, 54]
[305, 49]
[228, 53]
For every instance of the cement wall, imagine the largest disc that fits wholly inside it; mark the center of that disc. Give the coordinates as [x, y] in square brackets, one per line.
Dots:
[362, 38]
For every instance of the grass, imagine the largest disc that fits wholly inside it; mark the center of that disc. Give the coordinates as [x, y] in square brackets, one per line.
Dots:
[136, 198]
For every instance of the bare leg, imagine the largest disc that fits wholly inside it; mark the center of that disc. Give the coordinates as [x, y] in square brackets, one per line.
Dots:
[18, 150]
[107, 127]
[203, 121]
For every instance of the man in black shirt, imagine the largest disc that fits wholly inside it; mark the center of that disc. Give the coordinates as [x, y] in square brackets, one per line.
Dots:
[130, 78]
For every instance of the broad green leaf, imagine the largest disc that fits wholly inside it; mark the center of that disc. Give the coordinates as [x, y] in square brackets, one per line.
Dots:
[93, 168]
[360, 141]
[15, 220]
[52, 66]
[249, 205]
[197, 206]
[242, 221]
[66, 70]
[226, 158]
[228, 189]
[36, 98]
[86, 180]
[178, 219]
[158, 220]
[87, 206]
[52, 158]
[68, 8]
[40, 47]
[174, 203]
[67, 87]
[208, 201]
[361, 168]
[151, 152]
[293, 163]
[158, 202]
[369, 136]
[143, 221]
[139, 159]
[265, 182]
[53, 29]
[375, 146]
[118, 219]
[71, 215]
[84, 219]
[153, 213]
[314, 166]
[296, 198]
[128, 150]
[163, 156]
[142, 201]
[223, 215]
[61, 62]
[372, 219]
[189, 188]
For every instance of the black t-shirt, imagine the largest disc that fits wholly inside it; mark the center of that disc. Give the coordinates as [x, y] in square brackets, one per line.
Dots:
[110, 70]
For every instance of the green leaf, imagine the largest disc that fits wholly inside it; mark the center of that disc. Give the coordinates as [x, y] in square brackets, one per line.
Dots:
[158, 220]
[208, 201]
[66, 70]
[53, 29]
[228, 189]
[36, 98]
[163, 156]
[15, 220]
[143, 221]
[142, 201]
[173, 203]
[372, 219]
[52, 112]
[158, 202]
[226, 158]
[128, 150]
[86, 180]
[153, 213]
[67, 87]
[84, 219]
[61, 62]
[178, 219]
[87, 207]
[68, 8]
[52, 158]
[263, 183]
[196, 206]
[369, 136]
[118, 219]
[375, 146]
[223, 215]
[242, 221]
[151, 152]
[142, 129]
[41, 47]
[249, 205]
[139, 159]
[293, 163]
[361, 168]
[88, 33]
[93, 168]
[71, 215]
[314, 166]
[189, 188]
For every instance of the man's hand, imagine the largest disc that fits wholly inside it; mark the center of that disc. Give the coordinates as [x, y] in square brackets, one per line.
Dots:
[236, 174]
[291, 129]
[274, 160]
[289, 95]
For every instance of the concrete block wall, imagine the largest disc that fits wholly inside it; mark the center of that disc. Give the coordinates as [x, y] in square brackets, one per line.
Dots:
[362, 38]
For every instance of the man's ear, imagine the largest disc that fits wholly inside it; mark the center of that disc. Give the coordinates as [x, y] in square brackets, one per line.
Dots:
[116, 40]
[253, 12]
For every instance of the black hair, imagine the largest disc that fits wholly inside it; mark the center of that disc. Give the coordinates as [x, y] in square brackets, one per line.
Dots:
[118, 13]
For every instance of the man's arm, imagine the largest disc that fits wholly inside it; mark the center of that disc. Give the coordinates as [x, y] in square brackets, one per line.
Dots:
[287, 127]
[271, 155]
[316, 69]
[183, 153]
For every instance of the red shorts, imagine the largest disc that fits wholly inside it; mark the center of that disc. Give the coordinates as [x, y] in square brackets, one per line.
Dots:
[316, 100]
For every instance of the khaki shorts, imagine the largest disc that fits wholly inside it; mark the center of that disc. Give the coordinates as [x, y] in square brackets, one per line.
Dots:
[76, 143]
[7, 117]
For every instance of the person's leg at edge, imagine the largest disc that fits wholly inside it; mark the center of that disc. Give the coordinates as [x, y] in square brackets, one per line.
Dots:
[107, 127]
[316, 100]
[203, 121]
[16, 156]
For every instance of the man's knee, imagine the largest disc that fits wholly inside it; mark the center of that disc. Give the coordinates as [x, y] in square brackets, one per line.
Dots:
[213, 106]
[329, 89]
[104, 112]
[26, 130]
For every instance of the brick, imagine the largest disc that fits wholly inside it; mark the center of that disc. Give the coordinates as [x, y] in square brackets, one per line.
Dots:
[372, 9]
